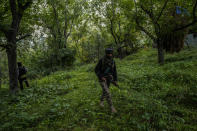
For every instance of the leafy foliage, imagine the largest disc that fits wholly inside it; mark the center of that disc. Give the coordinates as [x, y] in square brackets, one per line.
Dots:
[151, 97]
[41, 62]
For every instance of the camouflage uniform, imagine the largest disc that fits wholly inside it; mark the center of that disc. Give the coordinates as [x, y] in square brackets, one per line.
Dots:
[106, 68]
[22, 75]
[106, 94]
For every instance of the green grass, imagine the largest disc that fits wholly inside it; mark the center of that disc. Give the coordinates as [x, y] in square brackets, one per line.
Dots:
[152, 97]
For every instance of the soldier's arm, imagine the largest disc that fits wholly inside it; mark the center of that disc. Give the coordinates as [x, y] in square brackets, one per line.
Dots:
[115, 72]
[98, 69]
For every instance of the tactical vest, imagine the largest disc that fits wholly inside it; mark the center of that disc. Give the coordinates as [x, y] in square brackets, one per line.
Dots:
[106, 68]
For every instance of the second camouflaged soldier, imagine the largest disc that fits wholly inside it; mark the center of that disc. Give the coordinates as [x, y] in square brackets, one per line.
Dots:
[106, 73]
[22, 71]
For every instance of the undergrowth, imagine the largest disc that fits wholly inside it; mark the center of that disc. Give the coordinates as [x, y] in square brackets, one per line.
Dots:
[151, 97]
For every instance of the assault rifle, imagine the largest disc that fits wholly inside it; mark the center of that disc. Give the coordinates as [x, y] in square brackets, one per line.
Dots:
[110, 77]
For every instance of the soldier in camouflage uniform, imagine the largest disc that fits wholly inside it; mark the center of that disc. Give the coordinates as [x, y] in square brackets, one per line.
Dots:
[22, 75]
[106, 73]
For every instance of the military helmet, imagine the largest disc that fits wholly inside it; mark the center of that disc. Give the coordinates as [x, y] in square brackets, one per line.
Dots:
[109, 51]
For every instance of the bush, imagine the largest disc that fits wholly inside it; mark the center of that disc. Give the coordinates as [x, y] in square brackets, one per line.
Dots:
[41, 63]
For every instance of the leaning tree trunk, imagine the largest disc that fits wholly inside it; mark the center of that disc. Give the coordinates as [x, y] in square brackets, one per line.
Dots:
[13, 77]
[160, 52]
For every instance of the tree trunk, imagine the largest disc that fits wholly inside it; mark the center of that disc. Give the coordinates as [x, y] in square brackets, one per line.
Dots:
[0, 77]
[0, 73]
[13, 78]
[119, 50]
[17, 9]
[160, 52]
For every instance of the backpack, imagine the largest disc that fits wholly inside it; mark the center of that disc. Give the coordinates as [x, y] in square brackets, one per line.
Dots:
[22, 71]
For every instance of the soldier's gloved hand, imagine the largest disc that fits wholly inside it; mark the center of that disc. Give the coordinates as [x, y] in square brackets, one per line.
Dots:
[104, 79]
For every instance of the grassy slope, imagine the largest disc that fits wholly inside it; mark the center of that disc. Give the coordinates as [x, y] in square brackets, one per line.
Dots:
[151, 97]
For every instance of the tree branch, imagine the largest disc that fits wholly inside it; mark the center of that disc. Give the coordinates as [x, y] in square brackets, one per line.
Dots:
[23, 37]
[19, 4]
[27, 4]
[21, 7]
[145, 31]
[65, 24]
[140, 27]
[160, 14]
[4, 46]
[151, 16]
[120, 32]
[13, 8]
[72, 23]
[112, 32]
[192, 23]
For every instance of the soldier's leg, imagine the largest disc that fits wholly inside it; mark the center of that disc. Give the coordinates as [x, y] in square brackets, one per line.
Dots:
[109, 99]
[103, 94]
[107, 93]
[21, 84]
[26, 82]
